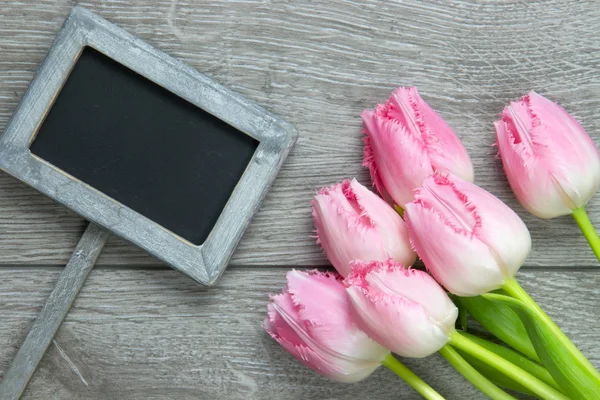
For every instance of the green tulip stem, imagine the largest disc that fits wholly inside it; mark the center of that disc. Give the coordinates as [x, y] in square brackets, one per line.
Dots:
[507, 368]
[473, 376]
[514, 289]
[411, 378]
[516, 358]
[582, 219]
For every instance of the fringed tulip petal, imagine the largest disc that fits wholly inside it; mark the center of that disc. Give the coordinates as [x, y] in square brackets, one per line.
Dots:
[353, 223]
[311, 320]
[406, 141]
[551, 163]
[469, 240]
[319, 301]
[391, 305]
[408, 333]
[398, 162]
[415, 285]
[460, 262]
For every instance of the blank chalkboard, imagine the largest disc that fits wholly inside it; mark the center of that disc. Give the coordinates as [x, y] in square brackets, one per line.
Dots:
[143, 146]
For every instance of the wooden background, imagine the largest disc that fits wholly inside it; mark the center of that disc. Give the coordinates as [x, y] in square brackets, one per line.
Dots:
[142, 331]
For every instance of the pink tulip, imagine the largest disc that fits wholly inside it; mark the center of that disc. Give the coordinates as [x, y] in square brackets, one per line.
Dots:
[550, 161]
[402, 309]
[469, 240]
[354, 223]
[406, 142]
[311, 320]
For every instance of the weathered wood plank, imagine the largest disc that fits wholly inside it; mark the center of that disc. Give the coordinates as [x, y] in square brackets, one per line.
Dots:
[318, 65]
[155, 334]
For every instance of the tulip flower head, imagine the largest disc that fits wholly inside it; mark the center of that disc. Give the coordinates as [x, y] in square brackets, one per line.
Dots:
[353, 223]
[469, 240]
[550, 161]
[402, 309]
[311, 320]
[406, 141]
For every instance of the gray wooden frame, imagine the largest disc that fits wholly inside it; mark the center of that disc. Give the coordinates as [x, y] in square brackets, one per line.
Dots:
[204, 263]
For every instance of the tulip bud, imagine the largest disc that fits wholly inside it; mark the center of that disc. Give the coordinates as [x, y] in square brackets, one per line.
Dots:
[406, 142]
[550, 161]
[354, 223]
[311, 320]
[402, 309]
[469, 240]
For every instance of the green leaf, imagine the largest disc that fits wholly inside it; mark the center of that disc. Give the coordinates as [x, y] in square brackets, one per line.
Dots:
[568, 368]
[501, 321]
[541, 389]
[517, 359]
[462, 317]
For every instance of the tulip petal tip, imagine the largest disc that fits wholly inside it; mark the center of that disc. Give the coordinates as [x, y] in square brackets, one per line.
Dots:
[403, 309]
[311, 320]
[551, 163]
[353, 223]
[406, 141]
[370, 163]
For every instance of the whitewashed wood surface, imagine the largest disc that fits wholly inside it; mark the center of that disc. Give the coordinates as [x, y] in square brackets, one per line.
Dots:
[318, 64]
[154, 334]
[142, 332]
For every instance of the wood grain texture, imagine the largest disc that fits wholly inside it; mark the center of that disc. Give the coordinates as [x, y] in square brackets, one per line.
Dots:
[155, 334]
[318, 64]
[151, 333]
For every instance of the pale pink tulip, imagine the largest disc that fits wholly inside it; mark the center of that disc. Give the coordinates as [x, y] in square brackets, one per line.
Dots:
[402, 309]
[469, 240]
[550, 161]
[353, 223]
[311, 320]
[406, 142]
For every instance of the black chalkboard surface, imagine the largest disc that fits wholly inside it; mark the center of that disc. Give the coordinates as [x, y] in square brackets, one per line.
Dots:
[143, 146]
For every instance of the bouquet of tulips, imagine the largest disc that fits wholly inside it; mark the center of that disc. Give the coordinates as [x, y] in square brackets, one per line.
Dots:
[345, 325]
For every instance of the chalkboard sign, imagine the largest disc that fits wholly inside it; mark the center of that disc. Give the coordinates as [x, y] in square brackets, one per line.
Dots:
[143, 146]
